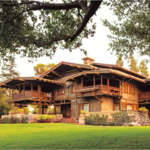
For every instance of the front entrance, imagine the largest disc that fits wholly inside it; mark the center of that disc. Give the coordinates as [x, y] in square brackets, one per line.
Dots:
[66, 110]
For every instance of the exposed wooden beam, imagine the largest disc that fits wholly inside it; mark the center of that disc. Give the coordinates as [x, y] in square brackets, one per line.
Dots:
[56, 73]
[98, 99]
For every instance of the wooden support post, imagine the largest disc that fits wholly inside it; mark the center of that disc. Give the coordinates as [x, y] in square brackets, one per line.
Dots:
[24, 91]
[12, 94]
[19, 92]
[94, 80]
[54, 108]
[76, 113]
[101, 84]
[31, 90]
[40, 107]
[120, 87]
[39, 91]
[82, 82]
[108, 84]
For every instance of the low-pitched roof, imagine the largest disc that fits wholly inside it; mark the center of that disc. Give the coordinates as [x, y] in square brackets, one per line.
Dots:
[104, 71]
[65, 66]
[20, 80]
[117, 67]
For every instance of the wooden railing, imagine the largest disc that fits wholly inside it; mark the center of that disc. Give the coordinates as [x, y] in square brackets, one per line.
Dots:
[98, 90]
[144, 95]
[24, 95]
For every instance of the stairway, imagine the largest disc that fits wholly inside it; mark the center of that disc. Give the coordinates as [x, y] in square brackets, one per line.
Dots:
[66, 120]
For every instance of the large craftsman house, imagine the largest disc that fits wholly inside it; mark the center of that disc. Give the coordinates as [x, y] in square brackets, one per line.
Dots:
[69, 87]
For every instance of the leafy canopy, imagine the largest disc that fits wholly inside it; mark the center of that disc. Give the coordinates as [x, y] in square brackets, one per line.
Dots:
[42, 68]
[130, 33]
[37, 28]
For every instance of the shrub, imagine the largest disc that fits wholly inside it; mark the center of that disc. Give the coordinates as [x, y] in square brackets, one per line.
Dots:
[143, 109]
[96, 119]
[15, 120]
[24, 119]
[6, 120]
[121, 118]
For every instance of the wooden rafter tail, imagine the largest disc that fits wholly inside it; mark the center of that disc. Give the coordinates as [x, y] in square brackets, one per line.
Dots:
[21, 79]
[84, 74]
[79, 67]
[97, 73]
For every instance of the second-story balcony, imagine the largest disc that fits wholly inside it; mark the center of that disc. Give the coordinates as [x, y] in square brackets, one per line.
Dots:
[98, 90]
[31, 95]
[144, 96]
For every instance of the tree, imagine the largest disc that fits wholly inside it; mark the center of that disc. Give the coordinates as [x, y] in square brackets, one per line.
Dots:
[4, 105]
[42, 68]
[8, 70]
[36, 28]
[130, 33]
[119, 61]
[133, 64]
[143, 68]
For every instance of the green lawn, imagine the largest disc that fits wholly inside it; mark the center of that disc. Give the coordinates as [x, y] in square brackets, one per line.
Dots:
[72, 136]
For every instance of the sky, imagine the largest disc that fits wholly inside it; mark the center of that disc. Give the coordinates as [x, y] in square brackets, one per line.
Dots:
[96, 48]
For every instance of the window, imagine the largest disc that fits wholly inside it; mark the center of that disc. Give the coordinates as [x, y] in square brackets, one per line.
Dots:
[129, 107]
[58, 109]
[129, 88]
[87, 107]
[61, 91]
[72, 88]
[51, 109]
[116, 107]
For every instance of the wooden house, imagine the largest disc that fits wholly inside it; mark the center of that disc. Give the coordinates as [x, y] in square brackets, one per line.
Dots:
[68, 88]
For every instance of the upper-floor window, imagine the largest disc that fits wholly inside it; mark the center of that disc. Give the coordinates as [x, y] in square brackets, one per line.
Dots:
[72, 88]
[61, 91]
[129, 88]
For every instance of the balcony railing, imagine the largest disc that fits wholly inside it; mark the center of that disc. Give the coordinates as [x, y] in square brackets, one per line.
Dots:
[144, 95]
[30, 95]
[98, 90]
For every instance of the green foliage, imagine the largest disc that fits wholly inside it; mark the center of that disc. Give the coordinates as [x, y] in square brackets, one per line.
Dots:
[24, 119]
[6, 120]
[15, 120]
[42, 68]
[36, 34]
[133, 64]
[8, 70]
[119, 61]
[82, 111]
[130, 33]
[143, 69]
[121, 117]
[96, 119]
[20, 110]
[4, 105]
[143, 109]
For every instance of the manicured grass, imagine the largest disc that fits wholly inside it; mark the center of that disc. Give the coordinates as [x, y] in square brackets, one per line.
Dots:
[72, 136]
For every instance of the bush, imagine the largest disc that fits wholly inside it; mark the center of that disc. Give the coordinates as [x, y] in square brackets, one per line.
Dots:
[120, 118]
[143, 109]
[24, 119]
[15, 120]
[96, 119]
[6, 120]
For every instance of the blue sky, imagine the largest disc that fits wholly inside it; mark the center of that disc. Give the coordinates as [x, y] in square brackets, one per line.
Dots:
[96, 48]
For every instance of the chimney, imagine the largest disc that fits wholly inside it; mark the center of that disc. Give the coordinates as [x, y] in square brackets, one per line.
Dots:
[88, 60]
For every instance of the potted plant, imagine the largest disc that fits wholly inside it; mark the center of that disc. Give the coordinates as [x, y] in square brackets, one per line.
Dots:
[82, 113]
[20, 111]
